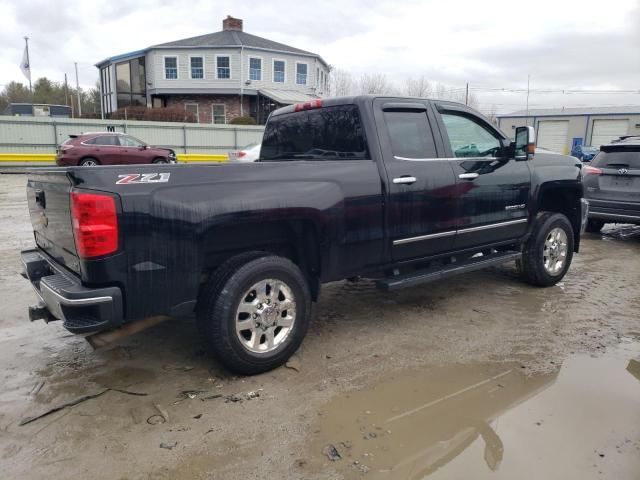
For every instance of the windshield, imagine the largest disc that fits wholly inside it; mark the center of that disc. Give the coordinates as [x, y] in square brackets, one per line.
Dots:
[589, 149]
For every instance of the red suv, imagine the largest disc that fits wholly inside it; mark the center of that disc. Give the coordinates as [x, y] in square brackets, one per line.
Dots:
[109, 148]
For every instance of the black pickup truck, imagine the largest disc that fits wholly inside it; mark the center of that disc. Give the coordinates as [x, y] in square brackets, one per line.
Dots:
[401, 190]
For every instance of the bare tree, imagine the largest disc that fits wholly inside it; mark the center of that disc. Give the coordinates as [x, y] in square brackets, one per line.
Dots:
[376, 83]
[445, 92]
[418, 87]
[491, 114]
[341, 83]
[441, 92]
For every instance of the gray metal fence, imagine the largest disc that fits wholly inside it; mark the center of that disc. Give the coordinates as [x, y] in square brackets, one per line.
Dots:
[23, 135]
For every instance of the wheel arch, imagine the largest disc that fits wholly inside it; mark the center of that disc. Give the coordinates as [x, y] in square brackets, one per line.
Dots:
[297, 240]
[563, 199]
[91, 157]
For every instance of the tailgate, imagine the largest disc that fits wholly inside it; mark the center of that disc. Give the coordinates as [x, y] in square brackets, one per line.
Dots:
[48, 197]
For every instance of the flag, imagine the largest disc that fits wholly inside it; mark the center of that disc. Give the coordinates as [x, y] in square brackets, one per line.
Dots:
[24, 66]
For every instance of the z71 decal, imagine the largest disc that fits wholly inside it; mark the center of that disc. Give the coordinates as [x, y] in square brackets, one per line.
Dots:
[143, 178]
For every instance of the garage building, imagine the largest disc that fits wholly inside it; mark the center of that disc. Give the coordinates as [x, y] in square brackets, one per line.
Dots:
[560, 129]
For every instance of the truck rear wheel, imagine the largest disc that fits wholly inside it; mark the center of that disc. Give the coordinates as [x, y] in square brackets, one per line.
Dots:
[547, 255]
[255, 312]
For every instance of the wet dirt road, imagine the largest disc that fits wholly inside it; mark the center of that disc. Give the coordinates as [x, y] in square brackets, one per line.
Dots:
[479, 376]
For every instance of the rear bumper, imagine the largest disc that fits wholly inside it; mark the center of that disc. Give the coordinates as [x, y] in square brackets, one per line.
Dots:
[62, 296]
[615, 212]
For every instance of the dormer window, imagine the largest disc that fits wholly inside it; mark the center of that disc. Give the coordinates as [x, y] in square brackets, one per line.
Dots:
[255, 68]
[197, 67]
[301, 73]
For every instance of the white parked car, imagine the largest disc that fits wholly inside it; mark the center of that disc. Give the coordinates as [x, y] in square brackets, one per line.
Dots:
[250, 153]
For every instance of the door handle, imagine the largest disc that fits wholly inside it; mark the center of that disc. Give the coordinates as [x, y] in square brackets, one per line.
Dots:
[405, 179]
[468, 176]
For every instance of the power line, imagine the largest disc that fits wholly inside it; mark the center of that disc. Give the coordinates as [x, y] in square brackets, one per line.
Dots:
[560, 91]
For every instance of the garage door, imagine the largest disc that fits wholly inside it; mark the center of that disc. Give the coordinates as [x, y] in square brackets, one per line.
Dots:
[553, 135]
[606, 130]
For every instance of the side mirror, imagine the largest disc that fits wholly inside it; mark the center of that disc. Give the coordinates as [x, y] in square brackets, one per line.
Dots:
[525, 144]
[144, 147]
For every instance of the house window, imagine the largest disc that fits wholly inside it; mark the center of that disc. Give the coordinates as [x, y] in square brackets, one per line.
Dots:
[255, 68]
[278, 71]
[301, 73]
[192, 108]
[218, 113]
[223, 67]
[197, 67]
[170, 68]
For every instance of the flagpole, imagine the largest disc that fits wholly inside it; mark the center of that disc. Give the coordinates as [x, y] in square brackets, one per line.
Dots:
[26, 42]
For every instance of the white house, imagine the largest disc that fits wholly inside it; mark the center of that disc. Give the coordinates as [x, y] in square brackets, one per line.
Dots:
[218, 76]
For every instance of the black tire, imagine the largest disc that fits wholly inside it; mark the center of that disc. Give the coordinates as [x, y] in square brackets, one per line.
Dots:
[221, 295]
[532, 264]
[160, 160]
[594, 225]
[89, 162]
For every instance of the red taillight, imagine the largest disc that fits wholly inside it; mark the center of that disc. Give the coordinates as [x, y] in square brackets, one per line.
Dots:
[241, 154]
[589, 170]
[308, 105]
[95, 224]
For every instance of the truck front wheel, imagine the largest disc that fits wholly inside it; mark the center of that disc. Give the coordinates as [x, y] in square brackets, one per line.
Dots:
[255, 312]
[548, 252]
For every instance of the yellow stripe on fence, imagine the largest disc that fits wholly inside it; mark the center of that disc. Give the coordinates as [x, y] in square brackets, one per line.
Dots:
[201, 157]
[27, 157]
[51, 157]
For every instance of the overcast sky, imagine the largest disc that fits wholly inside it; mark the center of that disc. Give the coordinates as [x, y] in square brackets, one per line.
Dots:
[593, 45]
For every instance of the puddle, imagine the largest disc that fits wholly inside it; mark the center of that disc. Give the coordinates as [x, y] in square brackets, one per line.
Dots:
[490, 421]
[621, 232]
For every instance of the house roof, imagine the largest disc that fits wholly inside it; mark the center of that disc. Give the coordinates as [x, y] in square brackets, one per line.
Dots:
[234, 38]
[286, 97]
[223, 38]
[581, 111]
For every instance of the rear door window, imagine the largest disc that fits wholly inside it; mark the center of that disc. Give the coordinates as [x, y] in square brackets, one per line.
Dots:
[110, 140]
[327, 133]
[410, 135]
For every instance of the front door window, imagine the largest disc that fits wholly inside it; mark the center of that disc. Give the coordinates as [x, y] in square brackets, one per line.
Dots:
[468, 138]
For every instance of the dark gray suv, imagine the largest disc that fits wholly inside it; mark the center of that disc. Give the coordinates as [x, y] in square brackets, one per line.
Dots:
[612, 184]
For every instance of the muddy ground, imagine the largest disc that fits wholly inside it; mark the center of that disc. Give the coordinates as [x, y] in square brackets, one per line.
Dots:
[479, 376]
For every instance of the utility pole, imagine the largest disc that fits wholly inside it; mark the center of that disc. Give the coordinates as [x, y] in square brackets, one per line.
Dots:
[78, 95]
[466, 97]
[528, 81]
[66, 91]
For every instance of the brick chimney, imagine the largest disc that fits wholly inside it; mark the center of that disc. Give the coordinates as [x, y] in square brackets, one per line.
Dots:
[231, 23]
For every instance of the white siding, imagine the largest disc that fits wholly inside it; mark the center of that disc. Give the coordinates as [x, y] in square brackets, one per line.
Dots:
[184, 69]
[155, 69]
[290, 70]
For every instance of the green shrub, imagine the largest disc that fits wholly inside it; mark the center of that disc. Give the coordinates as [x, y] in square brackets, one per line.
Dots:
[168, 114]
[129, 113]
[246, 120]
